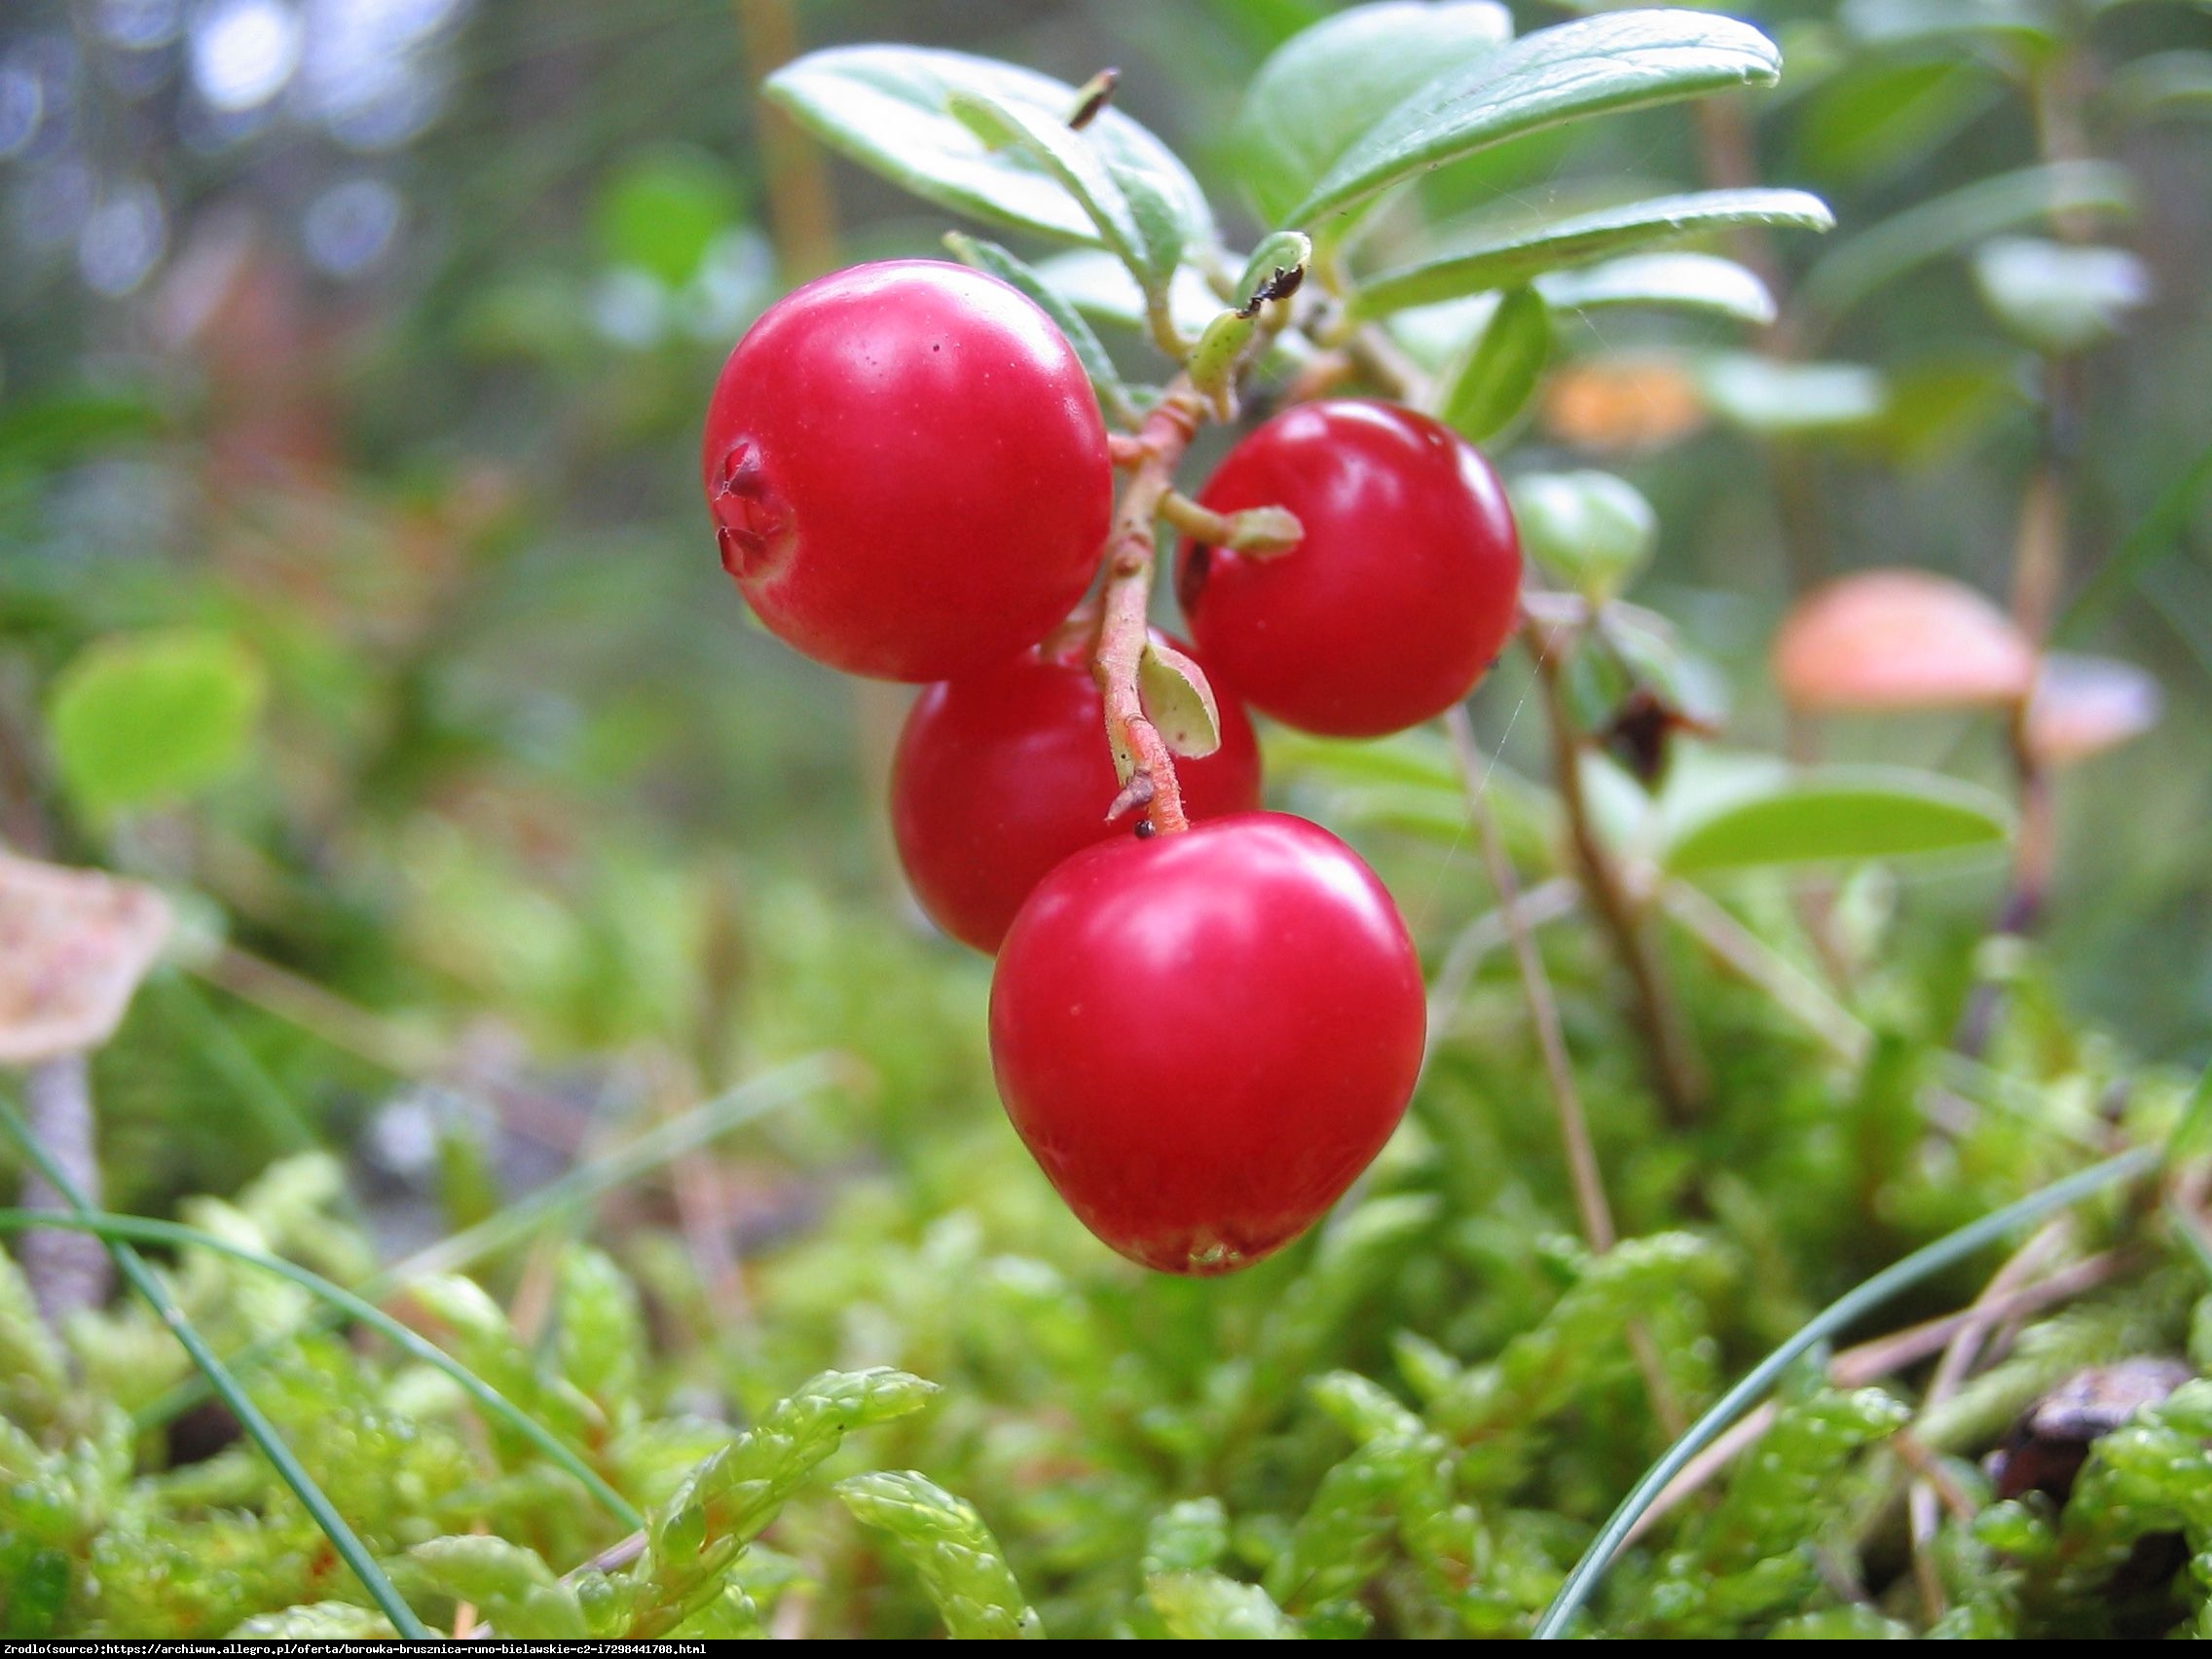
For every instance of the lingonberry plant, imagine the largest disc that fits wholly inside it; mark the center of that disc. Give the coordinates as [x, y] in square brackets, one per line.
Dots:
[1353, 568]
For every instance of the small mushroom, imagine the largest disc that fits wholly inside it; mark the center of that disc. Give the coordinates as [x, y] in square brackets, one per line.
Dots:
[73, 946]
[1896, 640]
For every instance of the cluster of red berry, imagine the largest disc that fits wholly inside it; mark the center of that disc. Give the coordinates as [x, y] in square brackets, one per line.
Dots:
[1202, 1036]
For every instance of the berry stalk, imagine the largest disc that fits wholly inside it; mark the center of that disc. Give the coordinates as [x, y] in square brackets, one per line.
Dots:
[1140, 752]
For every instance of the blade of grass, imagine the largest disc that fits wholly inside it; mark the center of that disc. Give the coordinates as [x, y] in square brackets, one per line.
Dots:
[703, 1124]
[1839, 1316]
[146, 1231]
[263, 1432]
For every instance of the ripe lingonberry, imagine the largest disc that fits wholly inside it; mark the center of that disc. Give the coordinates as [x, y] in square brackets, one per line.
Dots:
[1002, 775]
[1204, 1037]
[907, 470]
[1396, 599]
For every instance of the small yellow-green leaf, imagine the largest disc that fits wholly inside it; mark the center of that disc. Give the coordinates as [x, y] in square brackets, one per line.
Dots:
[1178, 701]
[147, 720]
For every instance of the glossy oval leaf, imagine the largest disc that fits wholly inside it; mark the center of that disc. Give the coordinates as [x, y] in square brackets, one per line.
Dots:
[1590, 66]
[1951, 223]
[1584, 237]
[1325, 86]
[1671, 282]
[1083, 173]
[1836, 815]
[1494, 380]
[890, 108]
[2056, 297]
[1591, 530]
[1100, 287]
[1774, 398]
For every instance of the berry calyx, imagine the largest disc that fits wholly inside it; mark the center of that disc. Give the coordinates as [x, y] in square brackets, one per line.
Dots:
[1204, 1037]
[906, 470]
[1002, 774]
[1399, 593]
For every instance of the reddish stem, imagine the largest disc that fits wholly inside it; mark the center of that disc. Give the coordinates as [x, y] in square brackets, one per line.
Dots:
[1125, 615]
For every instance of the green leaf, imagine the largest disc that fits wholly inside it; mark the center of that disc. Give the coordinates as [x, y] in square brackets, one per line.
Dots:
[1831, 815]
[695, 1536]
[661, 212]
[1190, 1536]
[962, 1568]
[1177, 700]
[47, 431]
[1105, 378]
[1494, 380]
[146, 720]
[34, 1374]
[1885, 113]
[1100, 287]
[1958, 220]
[1081, 170]
[1774, 398]
[317, 1621]
[601, 1329]
[1217, 356]
[2056, 297]
[1343, 1539]
[890, 108]
[1325, 86]
[511, 1587]
[1943, 402]
[1592, 65]
[1513, 259]
[2165, 83]
[1921, 22]
[1592, 531]
[1206, 1607]
[1675, 281]
[1361, 1407]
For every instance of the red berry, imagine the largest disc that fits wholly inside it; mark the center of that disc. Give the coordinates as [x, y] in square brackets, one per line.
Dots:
[1398, 597]
[1002, 775]
[906, 470]
[1204, 1036]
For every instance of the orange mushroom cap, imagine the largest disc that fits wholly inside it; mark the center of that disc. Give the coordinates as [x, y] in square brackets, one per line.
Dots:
[1897, 639]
